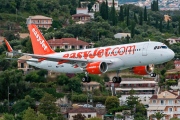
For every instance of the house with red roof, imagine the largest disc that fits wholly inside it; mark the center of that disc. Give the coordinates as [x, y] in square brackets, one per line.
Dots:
[166, 102]
[68, 43]
[88, 112]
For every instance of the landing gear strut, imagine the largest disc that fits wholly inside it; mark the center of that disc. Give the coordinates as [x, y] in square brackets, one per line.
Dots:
[117, 79]
[86, 78]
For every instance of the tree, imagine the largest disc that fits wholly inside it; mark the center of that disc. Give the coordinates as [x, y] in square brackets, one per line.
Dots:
[113, 15]
[7, 116]
[179, 26]
[47, 106]
[132, 100]
[135, 18]
[145, 14]
[141, 19]
[107, 11]
[29, 114]
[121, 14]
[158, 115]
[79, 116]
[103, 10]
[62, 79]
[111, 102]
[160, 26]
[41, 117]
[168, 27]
[127, 16]
[133, 24]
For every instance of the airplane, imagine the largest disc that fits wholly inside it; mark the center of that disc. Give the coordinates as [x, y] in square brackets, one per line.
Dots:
[141, 57]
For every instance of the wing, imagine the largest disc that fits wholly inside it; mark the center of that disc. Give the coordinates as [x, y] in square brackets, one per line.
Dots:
[65, 60]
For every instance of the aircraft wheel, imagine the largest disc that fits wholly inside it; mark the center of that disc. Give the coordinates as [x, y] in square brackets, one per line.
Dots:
[84, 79]
[89, 79]
[153, 74]
[114, 79]
[119, 80]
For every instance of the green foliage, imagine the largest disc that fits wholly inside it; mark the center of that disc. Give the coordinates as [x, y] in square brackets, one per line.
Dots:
[94, 118]
[36, 76]
[37, 93]
[47, 106]
[79, 116]
[62, 79]
[158, 115]
[111, 102]
[7, 116]
[30, 114]
[14, 80]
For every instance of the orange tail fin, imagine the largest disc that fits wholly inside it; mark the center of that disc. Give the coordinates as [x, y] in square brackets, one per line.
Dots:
[39, 44]
[8, 45]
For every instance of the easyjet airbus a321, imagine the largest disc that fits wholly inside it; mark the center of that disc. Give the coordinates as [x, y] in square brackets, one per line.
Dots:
[141, 57]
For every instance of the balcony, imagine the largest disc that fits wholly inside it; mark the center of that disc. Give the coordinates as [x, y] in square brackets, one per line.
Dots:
[165, 112]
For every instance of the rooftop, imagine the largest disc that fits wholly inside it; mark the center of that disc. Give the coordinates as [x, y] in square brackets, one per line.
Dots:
[82, 110]
[62, 41]
[39, 17]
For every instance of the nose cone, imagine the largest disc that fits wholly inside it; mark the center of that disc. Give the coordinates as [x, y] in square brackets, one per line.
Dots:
[171, 54]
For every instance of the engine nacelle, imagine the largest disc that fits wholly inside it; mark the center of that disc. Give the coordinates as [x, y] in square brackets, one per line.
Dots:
[143, 70]
[96, 67]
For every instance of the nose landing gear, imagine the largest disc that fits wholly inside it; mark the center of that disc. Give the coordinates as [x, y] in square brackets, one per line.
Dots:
[153, 74]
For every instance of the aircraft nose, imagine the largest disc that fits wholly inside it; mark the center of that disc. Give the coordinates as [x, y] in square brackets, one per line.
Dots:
[171, 54]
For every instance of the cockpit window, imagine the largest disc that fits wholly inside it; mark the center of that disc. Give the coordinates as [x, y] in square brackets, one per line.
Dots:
[160, 47]
[164, 47]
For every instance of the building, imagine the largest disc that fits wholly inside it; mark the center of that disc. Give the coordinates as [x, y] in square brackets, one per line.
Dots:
[173, 40]
[95, 7]
[167, 18]
[68, 43]
[90, 86]
[81, 18]
[40, 21]
[174, 73]
[122, 35]
[22, 65]
[126, 114]
[144, 89]
[167, 102]
[82, 15]
[88, 112]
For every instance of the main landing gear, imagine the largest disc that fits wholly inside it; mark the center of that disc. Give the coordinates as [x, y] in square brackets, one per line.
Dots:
[117, 79]
[86, 78]
[153, 74]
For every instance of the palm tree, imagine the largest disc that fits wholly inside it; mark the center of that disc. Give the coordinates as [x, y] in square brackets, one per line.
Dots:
[158, 115]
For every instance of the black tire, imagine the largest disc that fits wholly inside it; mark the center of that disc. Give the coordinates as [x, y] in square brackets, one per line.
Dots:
[89, 79]
[153, 74]
[119, 80]
[84, 79]
[114, 79]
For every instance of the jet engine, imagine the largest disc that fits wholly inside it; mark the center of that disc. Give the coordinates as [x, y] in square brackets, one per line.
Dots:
[96, 67]
[143, 70]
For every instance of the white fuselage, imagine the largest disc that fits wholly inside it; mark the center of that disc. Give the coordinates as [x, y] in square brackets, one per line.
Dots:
[121, 57]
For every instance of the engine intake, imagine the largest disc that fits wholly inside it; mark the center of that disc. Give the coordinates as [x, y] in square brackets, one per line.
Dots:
[143, 70]
[96, 67]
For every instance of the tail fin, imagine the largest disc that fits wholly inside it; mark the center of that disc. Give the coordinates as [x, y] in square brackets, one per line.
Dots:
[8, 45]
[39, 44]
